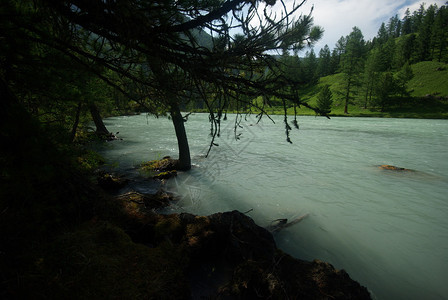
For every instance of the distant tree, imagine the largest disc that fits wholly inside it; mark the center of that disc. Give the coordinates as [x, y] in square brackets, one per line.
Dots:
[402, 78]
[324, 65]
[404, 50]
[334, 61]
[370, 76]
[325, 99]
[406, 27]
[382, 36]
[424, 42]
[310, 65]
[385, 55]
[352, 63]
[394, 27]
[340, 48]
[440, 34]
[385, 88]
[293, 69]
[417, 18]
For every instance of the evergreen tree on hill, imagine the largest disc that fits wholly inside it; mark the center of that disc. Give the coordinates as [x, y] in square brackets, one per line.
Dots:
[325, 99]
[324, 65]
[352, 63]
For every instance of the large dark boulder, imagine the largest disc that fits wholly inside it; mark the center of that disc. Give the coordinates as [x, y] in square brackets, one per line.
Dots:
[231, 257]
[227, 256]
[230, 235]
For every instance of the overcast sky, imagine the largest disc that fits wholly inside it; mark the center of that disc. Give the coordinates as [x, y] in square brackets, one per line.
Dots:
[338, 17]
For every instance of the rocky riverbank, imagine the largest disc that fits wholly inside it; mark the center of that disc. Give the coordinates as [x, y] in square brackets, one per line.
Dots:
[227, 256]
[99, 245]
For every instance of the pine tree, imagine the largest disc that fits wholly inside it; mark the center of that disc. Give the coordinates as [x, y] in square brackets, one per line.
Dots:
[394, 27]
[339, 50]
[371, 72]
[402, 79]
[406, 27]
[310, 67]
[385, 87]
[334, 61]
[382, 36]
[324, 65]
[440, 35]
[352, 63]
[424, 43]
[325, 99]
[404, 50]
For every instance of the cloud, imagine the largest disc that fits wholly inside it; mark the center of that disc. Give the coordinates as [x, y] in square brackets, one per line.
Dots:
[338, 17]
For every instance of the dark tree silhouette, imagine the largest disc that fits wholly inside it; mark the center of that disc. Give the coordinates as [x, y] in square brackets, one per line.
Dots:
[175, 52]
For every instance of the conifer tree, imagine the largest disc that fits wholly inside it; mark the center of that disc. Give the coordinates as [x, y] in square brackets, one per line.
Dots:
[385, 88]
[310, 64]
[382, 36]
[406, 27]
[371, 72]
[352, 63]
[402, 79]
[325, 99]
[440, 34]
[324, 65]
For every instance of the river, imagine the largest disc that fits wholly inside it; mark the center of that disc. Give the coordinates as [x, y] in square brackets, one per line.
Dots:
[387, 229]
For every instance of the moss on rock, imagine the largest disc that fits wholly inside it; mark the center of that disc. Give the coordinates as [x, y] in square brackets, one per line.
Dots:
[162, 165]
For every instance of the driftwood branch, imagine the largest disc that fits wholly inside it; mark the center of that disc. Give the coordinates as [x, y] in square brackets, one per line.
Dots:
[280, 224]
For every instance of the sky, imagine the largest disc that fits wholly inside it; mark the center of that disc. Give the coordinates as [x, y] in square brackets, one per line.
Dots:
[338, 17]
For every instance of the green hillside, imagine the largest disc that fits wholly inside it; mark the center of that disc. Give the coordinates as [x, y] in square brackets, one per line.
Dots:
[428, 95]
[430, 78]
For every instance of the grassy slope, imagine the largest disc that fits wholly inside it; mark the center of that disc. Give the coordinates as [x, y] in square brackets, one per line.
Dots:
[430, 78]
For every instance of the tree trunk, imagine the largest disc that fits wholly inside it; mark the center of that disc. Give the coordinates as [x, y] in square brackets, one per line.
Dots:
[100, 127]
[182, 140]
[347, 97]
[75, 125]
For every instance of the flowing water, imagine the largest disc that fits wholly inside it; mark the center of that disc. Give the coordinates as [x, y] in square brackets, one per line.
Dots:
[387, 229]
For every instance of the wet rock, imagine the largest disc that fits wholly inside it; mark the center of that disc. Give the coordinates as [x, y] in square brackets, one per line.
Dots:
[286, 277]
[110, 181]
[165, 175]
[393, 168]
[162, 165]
[243, 238]
[158, 200]
[232, 236]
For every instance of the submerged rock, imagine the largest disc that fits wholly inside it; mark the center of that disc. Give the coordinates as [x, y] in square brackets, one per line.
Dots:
[393, 168]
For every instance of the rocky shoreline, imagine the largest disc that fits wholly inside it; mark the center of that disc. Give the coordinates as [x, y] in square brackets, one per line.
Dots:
[227, 256]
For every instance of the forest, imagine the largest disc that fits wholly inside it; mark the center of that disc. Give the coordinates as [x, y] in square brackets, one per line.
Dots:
[66, 65]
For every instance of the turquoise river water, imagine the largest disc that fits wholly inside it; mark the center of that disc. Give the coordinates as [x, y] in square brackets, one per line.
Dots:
[387, 229]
